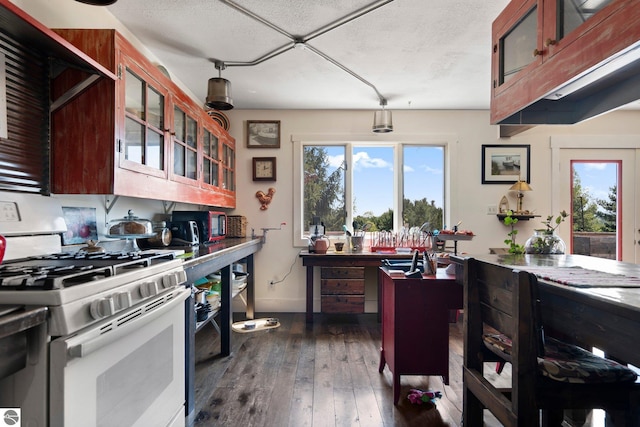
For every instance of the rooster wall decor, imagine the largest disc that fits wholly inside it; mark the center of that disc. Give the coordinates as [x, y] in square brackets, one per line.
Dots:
[265, 198]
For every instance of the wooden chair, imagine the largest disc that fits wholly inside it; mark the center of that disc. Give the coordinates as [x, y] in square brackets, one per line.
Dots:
[502, 323]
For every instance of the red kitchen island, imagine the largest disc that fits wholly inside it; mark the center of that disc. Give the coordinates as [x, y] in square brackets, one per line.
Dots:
[415, 324]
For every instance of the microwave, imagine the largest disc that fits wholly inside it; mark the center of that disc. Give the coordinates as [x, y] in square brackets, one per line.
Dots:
[212, 225]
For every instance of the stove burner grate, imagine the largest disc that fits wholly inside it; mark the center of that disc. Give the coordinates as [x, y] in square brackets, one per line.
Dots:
[48, 277]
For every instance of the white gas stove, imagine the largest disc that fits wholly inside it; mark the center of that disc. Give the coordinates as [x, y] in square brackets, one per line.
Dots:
[113, 317]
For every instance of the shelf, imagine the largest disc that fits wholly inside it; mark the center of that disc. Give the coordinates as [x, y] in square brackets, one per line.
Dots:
[237, 290]
[519, 217]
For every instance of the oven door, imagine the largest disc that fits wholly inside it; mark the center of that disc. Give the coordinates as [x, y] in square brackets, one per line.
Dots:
[127, 370]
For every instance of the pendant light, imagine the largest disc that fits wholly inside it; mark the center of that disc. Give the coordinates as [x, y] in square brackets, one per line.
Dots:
[382, 122]
[219, 91]
[97, 2]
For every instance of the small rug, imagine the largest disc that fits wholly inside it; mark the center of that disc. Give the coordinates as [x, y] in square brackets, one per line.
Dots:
[260, 325]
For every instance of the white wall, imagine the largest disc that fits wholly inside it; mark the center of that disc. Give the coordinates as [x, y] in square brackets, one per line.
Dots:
[466, 131]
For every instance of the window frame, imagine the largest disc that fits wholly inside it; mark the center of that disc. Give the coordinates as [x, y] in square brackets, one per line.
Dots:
[396, 141]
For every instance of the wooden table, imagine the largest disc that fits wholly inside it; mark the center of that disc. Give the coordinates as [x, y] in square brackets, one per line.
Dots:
[415, 324]
[604, 317]
[341, 259]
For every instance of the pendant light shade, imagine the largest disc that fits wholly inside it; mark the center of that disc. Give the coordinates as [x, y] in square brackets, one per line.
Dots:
[97, 2]
[382, 122]
[219, 94]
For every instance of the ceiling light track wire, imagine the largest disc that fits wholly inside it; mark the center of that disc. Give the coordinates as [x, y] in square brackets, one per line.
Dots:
[383, 100]
[302, 41]
[346, 19]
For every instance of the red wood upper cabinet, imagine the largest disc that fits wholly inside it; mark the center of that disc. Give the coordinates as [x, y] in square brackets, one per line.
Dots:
[538, 46]
[138, 136]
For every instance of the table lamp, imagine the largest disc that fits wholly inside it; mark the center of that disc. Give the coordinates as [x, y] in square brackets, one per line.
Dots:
[520, 186]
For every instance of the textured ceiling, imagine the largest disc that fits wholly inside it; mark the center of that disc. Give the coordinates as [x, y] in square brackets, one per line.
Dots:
[418, 54]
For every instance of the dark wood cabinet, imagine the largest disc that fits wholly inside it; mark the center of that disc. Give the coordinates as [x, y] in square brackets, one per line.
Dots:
[342, 289]
[538, 46]
[137, 136]
[415, 325]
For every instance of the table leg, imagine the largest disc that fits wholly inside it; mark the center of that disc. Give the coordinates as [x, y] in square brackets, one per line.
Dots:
[396, 388]
[383, 361]
[251, 290]
[309, 315]
[226, 313]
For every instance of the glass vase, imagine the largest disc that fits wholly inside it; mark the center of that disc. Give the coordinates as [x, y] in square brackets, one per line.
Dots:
[544, 242]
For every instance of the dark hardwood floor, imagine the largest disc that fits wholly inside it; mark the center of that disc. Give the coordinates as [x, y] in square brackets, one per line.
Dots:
[322, 375]
[325, 374]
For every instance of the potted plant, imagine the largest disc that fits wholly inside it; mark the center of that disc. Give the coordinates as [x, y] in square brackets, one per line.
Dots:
[544, 240]
[514, 248]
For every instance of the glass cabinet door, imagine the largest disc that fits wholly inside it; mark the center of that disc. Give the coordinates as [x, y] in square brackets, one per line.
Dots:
[144, 123]
[185, 144]
[228, 168]
[210, 158]
[518, 45]
[572, 13]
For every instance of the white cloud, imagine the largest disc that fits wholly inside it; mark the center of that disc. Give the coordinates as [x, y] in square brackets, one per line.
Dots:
[362, 160]
[599, 166]
[336, 161]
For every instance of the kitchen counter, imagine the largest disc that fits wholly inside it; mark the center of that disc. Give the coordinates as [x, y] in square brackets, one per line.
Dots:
[207, 259]
[213, 257]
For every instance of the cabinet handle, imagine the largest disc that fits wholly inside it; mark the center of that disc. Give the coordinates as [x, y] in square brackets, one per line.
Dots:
[550, 42]
[537, 52]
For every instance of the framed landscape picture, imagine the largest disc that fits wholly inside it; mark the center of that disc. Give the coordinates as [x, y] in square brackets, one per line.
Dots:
[505, 164]
[263, 133]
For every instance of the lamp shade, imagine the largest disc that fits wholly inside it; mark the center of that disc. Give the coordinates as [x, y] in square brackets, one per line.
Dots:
[219, 94]
[382, 122]
[521, 186]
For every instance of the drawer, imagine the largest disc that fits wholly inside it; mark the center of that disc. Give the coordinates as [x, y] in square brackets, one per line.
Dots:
[342, 273]
[342, 304]
[342, 286]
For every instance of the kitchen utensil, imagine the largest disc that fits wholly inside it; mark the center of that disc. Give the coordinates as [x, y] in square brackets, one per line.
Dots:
[92, 247]
[321, 245]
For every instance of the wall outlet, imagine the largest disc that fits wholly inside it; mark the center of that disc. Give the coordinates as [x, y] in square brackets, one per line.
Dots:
[492, 209]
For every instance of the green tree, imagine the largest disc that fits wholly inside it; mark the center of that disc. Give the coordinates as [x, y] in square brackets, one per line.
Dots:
[417, 212]
[324, 191]
[608, 215]
[584, 208]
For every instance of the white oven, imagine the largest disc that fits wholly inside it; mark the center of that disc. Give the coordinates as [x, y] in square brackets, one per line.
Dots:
[126, 370]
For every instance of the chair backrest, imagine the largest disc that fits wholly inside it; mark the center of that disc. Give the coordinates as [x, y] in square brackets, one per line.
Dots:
[505, 300]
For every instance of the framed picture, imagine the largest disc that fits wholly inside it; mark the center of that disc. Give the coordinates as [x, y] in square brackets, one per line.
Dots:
[263, 133]
[505, 164]
[81, 225]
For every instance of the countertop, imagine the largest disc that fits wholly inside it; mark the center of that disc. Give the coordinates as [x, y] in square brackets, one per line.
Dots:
[206, 259]
[16, 318]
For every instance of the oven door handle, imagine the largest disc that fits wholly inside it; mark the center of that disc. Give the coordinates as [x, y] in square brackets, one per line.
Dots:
[93, 343]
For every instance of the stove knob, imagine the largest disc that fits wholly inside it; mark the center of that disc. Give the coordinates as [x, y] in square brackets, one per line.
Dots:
[148, 289]
[123, 300]
[102, 308]
[174, 279]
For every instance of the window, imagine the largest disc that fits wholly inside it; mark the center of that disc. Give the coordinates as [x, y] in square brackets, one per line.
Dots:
[357, 183]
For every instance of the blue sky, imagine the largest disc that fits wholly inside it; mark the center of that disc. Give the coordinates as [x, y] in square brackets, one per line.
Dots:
[424, 176]
[596, 178]
[373, 176]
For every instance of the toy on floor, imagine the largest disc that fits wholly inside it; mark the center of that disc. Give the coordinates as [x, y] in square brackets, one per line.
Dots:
[419, 397]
